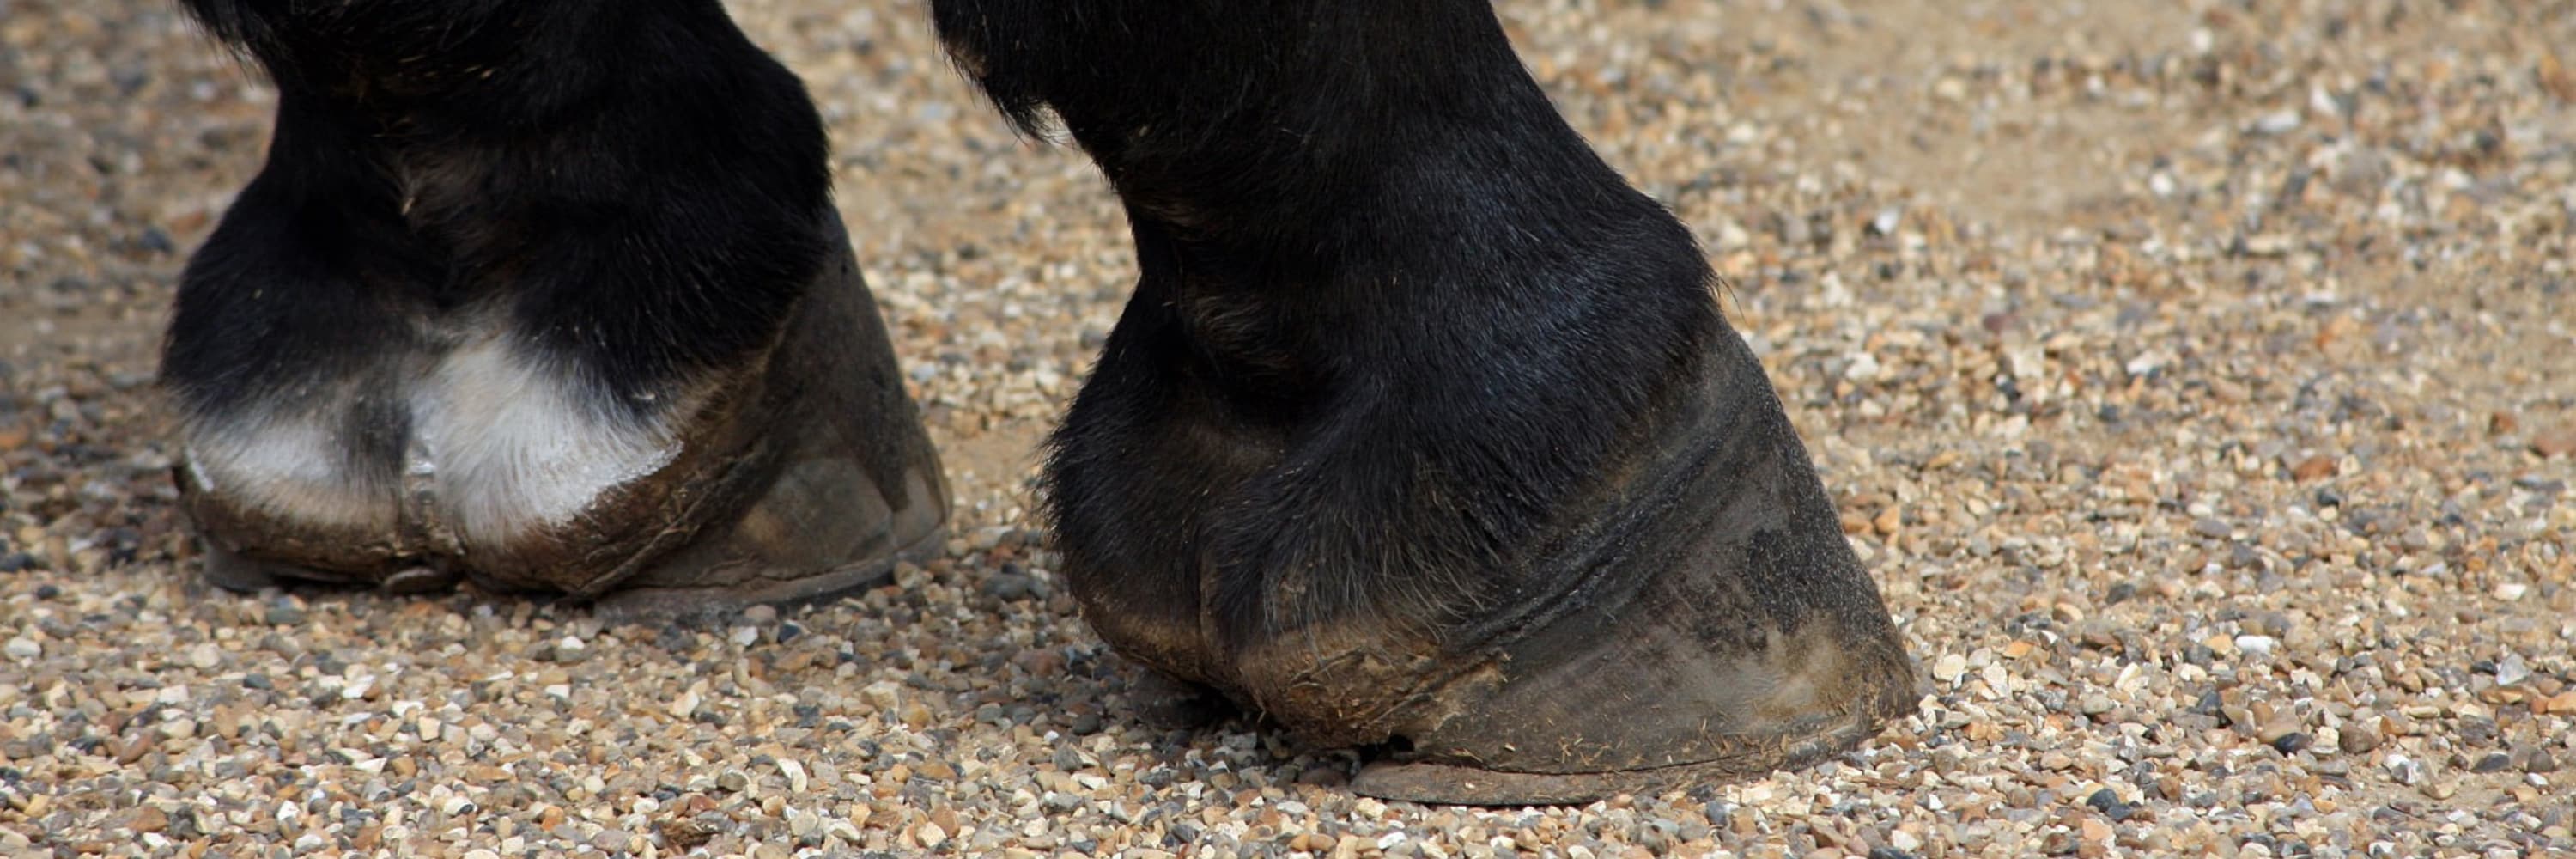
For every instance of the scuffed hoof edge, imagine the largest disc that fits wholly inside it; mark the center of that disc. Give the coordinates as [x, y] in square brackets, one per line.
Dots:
[652, 602]
[231, 571]
[1452, 784]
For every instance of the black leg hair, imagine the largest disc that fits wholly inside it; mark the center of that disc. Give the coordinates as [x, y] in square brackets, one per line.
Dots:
[638, 189]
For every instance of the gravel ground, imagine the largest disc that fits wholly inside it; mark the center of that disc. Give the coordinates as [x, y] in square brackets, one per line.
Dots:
[2195, 377]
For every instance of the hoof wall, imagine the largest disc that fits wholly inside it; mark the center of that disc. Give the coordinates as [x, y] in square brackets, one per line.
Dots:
[1435, 783]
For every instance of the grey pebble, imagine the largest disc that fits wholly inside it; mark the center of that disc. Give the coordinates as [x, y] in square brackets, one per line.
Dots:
[1009, 587]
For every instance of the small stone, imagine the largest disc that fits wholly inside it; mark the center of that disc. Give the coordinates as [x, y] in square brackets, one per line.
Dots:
[2554, 442]
[1886, 221]
[2259, 645]
[282, 614]
[2316, 467]
[2404, 770]
[1949, 667]
[882, 694]
[2356, 738]
[613, 842]
[2211, 527]
[1009, 587]
[148, 819]
[2492, 762]
[684, 833]
[2511, 670]
[2109, 804]
[2277, 123]
[2292, 743]
[22, 649]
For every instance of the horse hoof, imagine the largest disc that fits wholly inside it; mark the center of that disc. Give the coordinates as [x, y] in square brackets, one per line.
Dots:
[800, 474]
[1693, 614]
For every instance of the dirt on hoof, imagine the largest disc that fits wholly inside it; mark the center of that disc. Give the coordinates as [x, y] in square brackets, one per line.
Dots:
[2060, 295]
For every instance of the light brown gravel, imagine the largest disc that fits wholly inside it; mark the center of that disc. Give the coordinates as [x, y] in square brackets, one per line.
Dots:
[2197, 378]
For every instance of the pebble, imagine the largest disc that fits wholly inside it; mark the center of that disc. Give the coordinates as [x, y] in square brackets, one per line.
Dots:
[1009, 586]
[2512, 670]
[2555, 442]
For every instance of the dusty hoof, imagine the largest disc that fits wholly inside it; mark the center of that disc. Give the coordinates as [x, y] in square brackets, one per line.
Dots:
[801, 474]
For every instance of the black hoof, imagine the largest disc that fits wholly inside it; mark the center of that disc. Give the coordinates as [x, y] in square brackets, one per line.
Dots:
[1691, 614]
